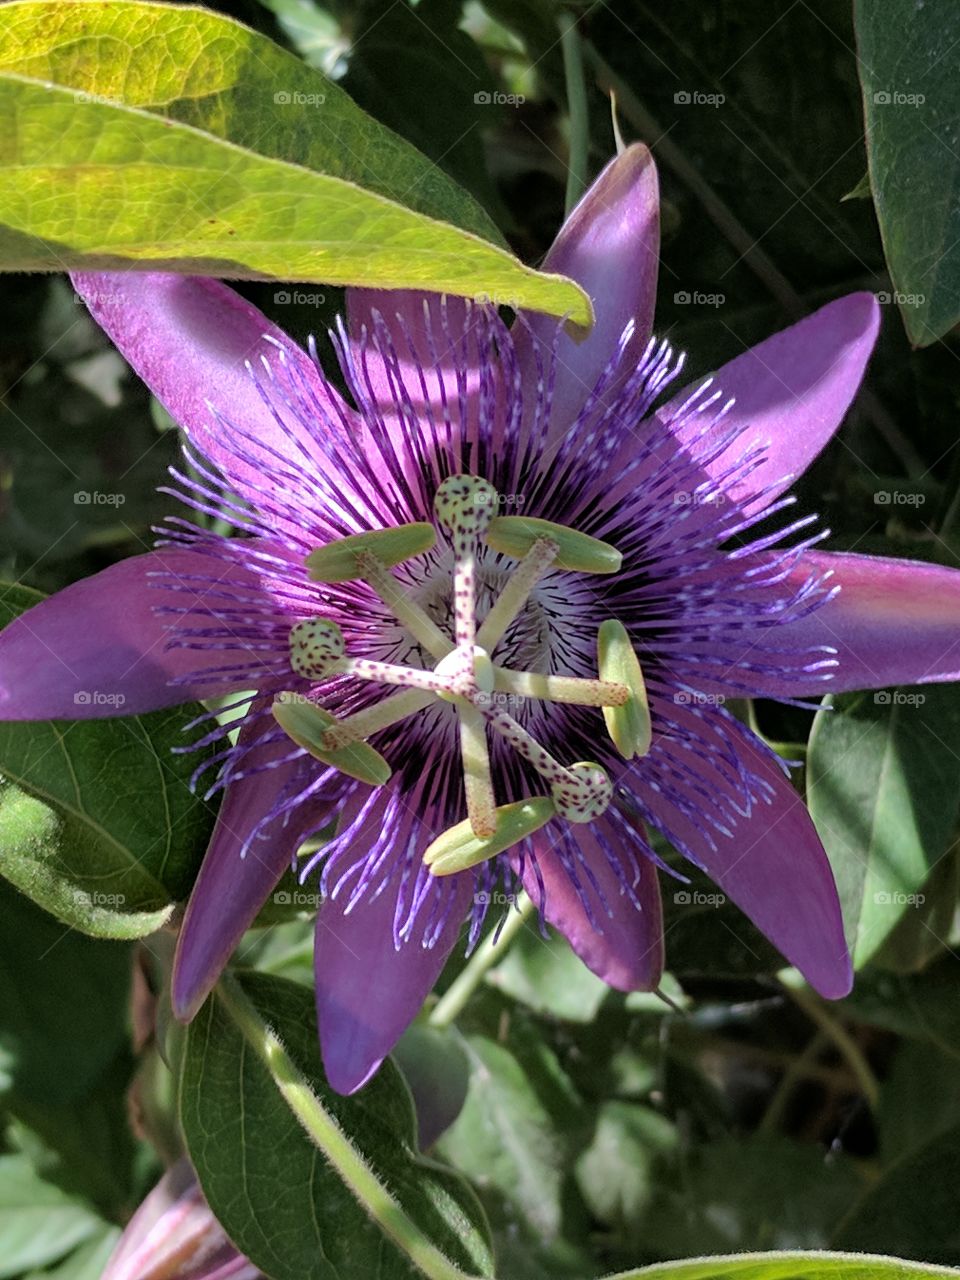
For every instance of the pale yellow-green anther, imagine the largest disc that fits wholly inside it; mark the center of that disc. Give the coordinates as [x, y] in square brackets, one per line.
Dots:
[460, 848]
[337, 561]
[317, 648]
[515, 535]
[628, 725]
[308, 726]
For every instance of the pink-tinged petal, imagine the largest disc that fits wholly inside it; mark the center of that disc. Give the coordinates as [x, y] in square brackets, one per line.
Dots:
[233, 886]
[772, 865]
[623, 943]
[190, 340]
[174, 1236]
[791, 392]
[97, 648]
[368, 992]
[609, 244]
[892, 622]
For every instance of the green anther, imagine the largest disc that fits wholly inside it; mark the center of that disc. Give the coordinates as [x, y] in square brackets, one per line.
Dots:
[465, 504]
[584, 794]
[307, 725]
[515, 535]
[629, 726]
[337, 561]
[459, 848]
[316, 648]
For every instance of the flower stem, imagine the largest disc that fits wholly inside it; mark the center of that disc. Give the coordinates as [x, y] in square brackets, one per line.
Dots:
[849, 1050]
[454, 1000]
[328, 1137]
[576, 107]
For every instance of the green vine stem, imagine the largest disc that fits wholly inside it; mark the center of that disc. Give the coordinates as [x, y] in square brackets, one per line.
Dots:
[326, 1134]
[576, 107]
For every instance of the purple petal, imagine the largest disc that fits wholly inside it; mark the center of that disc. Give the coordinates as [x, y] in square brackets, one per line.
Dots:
[772, 866]
[609, 244]
[233, 886]
[190, 339]
[791, 393]
[892, 622]
[97, 648]
[623, 943]
[368, 992]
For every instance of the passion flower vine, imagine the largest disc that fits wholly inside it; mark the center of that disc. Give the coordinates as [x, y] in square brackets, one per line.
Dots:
[482, 613]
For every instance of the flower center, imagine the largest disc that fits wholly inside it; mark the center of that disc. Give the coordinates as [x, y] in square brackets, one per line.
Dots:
[463, 673]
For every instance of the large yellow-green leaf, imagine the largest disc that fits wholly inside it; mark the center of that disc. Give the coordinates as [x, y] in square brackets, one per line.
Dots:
[795, 1265]
[139, 134]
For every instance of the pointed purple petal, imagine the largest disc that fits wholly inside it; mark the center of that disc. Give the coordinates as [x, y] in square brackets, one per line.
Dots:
[97, 648]
[231, 889]
[368, 992]
[609, 244]
[791, 393]
[773, 867]
[892, 622]
[190, 339]
[623, 943]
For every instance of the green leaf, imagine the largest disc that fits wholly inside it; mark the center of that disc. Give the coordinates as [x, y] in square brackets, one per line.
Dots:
[277, 1194]
[912, 1206]
[794, 1265]
[38, 1223]
[86, 1262]
[911, 97]
[200, 146]
[63, 1004]
[883, 782]
[505, 1137]
[924, 1006]
[617, 1173]
[549, 977]
[97, 821]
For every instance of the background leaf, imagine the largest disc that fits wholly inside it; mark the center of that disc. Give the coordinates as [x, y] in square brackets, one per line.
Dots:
[883, 786]
[911, 101]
